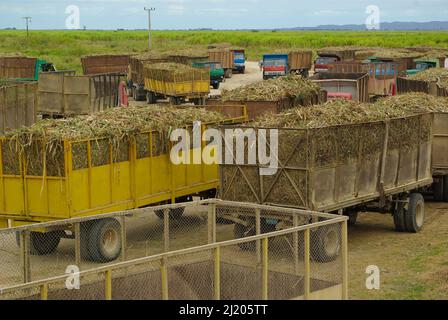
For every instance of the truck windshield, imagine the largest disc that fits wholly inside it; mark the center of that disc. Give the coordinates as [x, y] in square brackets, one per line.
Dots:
[239, 56]
[326, 60]
[274, 63]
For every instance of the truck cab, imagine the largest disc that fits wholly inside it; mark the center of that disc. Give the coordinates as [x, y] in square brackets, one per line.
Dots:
[323, 62]
[422, 65]
[275, 65]
[239, 60]
[216, 72]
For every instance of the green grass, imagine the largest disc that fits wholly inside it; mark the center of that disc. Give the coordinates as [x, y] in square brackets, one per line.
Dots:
[65, 47]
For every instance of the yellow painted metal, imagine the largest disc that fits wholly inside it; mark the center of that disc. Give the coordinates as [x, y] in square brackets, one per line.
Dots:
[3, 224]
[44, 292]
[217, 273]
[265, 268]
[170, 84]
[307, 265]
[344, 261]
[108, 284]
[105, 187]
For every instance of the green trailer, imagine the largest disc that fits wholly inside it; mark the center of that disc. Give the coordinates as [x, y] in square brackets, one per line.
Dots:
[216, 72]
[422, 65]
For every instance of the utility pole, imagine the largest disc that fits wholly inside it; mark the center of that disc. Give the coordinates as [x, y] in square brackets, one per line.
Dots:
[28, 21]
[149, 26]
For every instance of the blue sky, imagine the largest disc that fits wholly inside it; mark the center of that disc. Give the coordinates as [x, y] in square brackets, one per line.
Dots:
[217, 14]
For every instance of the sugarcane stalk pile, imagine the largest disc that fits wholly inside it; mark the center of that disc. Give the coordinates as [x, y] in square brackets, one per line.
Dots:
[292, 86]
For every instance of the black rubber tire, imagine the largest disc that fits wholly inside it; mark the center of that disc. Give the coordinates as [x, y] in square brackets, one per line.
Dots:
[42, 244]
[438, 189]
[151, 97]
[98, 232]
[445, 189]
[216, 86]
[352, 217]
[414, 216]
[241, 231]
[399, 217]
[175, 101]
[326, 243]
[243, 70]
[228, 74]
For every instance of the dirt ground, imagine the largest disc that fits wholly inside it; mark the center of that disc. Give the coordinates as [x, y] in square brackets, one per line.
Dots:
[252, 74]
[412, 266]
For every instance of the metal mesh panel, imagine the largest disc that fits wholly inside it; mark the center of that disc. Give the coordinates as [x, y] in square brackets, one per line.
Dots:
[11, 271]
[164, 254]
[190, 276]
[243, 263]
[139, 282]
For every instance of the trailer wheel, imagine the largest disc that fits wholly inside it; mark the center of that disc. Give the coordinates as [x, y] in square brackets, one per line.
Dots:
[105, 240]
[175, 101]
[445, 188]
[242, 231]
[42, 244]
[228, 73]
[415, 214]
[216, 85]
[438, 189]
[326, 243]
[399, 217]
[151, 97]
[243, 70]
[352, 217]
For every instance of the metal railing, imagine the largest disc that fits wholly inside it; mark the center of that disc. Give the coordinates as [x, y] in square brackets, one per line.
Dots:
[280, 255]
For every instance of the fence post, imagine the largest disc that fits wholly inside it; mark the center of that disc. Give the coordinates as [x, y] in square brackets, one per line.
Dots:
[25, 255]
[123, 238]
[166, 230]
[78, 244]
[265, 270]
[258, 232]
[211, 223]
[44, 292]
[108, 287]
[307, 286]
[164, 275]
[295, 245]
[217, 273]
[344, 261]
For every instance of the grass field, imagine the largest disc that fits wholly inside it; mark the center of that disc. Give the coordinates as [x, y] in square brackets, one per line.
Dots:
[65, 47]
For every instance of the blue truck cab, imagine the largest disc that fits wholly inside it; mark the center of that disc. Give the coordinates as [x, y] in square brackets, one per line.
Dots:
[275, 65]
[239, 60]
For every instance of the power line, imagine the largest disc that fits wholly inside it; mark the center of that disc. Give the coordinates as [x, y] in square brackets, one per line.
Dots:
[149, 26]
[28, 21]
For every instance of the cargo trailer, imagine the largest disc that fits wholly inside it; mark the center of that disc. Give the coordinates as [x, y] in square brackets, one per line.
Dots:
[65, 94]
[89, 177]
[350, 86]
[344, 169]
[176, 84]
[100, 64]
[18, 104]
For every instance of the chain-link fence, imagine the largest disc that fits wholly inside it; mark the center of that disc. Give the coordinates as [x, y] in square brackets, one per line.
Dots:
[203, 250]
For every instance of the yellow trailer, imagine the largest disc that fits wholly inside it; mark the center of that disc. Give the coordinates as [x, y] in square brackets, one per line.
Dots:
[89, 177]
[177, 82]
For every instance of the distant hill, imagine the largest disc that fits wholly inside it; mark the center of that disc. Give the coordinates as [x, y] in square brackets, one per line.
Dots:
[432, 25]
